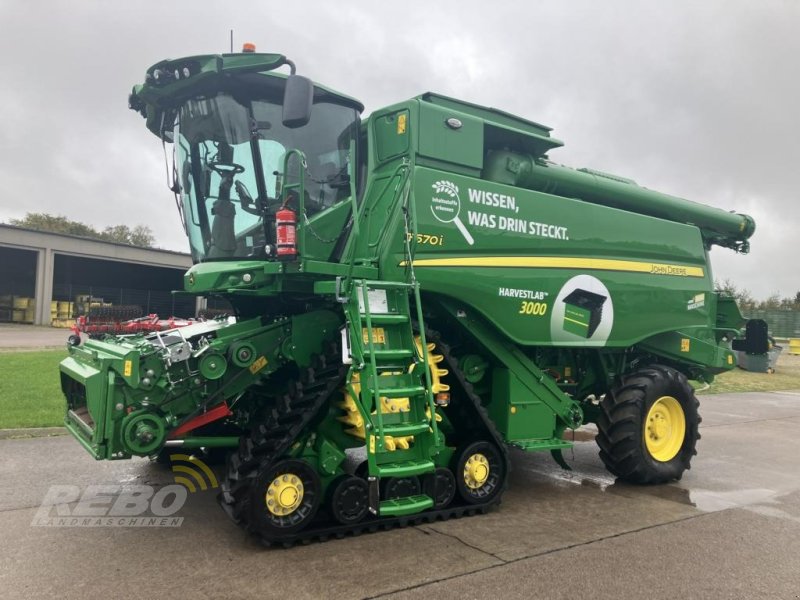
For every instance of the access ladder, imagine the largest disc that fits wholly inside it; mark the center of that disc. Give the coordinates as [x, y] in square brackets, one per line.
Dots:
[390, 381]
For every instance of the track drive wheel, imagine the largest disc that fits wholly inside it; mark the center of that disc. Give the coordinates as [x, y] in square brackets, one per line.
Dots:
[479, 472]
[441, 486]
[285, 497]
[648, 427]
[349, 500]
[399, 487]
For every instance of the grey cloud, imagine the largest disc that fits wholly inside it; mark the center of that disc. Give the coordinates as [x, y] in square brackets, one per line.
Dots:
[694, 99]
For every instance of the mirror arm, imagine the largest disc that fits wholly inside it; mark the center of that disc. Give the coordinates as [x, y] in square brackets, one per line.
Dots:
[292, 68]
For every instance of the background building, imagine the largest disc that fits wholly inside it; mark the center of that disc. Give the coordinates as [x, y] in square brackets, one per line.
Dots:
[38, 268]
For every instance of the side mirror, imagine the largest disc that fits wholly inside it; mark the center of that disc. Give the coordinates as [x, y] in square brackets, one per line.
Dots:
[297, 99]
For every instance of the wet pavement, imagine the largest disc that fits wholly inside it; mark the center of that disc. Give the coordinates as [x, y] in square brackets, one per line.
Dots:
[729, 529]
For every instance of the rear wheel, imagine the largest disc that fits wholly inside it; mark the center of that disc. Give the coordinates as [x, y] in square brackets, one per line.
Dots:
[479, 472]
[648, 428]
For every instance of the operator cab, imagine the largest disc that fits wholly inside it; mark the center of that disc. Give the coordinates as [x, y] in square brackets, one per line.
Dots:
[232, 127]
[229, 156]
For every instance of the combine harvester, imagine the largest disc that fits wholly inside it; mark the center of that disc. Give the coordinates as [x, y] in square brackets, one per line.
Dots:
[423, 284]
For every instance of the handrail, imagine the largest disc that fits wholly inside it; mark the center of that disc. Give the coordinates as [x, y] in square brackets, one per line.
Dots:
[426, 363]
[400, 186]
[344, 283]
[379, 444]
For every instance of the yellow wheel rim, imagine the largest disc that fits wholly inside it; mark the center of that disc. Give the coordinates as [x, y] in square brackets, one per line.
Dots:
[664, 429]
[476, 471]
[284, 495]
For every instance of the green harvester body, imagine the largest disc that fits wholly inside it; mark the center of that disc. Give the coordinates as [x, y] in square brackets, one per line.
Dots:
[443, 284]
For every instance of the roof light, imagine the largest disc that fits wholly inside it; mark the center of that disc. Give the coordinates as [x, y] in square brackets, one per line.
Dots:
[248, 47]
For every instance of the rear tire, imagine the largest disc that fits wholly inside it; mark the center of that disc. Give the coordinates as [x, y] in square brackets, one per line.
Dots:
[479, 472]
[648, 427]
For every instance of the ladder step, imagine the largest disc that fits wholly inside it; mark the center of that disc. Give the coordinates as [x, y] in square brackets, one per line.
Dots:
[383, 354]
[405, 506]
[401, 392]
[401, 429]
[386, 318]
[541, 444]
[406, 468]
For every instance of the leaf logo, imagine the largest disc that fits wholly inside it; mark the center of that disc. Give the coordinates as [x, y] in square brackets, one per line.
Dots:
[446, 187]
[446, 210]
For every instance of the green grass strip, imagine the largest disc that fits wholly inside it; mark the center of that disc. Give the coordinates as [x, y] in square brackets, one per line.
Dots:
[30, 389]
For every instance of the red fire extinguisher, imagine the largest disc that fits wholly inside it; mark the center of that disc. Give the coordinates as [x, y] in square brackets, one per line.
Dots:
[286, 232]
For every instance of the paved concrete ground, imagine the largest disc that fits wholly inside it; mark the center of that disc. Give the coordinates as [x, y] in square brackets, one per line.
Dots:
[729, 529]
[14, 336]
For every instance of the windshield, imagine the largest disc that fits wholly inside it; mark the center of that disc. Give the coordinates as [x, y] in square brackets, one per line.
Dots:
[229, 158]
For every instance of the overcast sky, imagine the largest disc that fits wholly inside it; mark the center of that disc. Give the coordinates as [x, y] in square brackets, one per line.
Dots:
[697, 99]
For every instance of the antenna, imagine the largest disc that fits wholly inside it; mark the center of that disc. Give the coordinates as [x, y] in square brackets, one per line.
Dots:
[231, 41]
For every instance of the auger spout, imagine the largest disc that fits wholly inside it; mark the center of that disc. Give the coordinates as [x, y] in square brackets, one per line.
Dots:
[728, 229]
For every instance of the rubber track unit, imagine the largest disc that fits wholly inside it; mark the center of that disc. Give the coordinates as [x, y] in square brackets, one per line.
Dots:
[268, 442]
[621, 422]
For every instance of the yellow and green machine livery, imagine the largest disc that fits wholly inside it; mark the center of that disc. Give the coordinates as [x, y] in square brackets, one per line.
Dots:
[410, 293]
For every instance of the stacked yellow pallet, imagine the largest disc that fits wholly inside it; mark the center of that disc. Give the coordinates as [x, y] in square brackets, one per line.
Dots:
[23, 309]
[63, 323]
[66, 310]
[62, 313]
